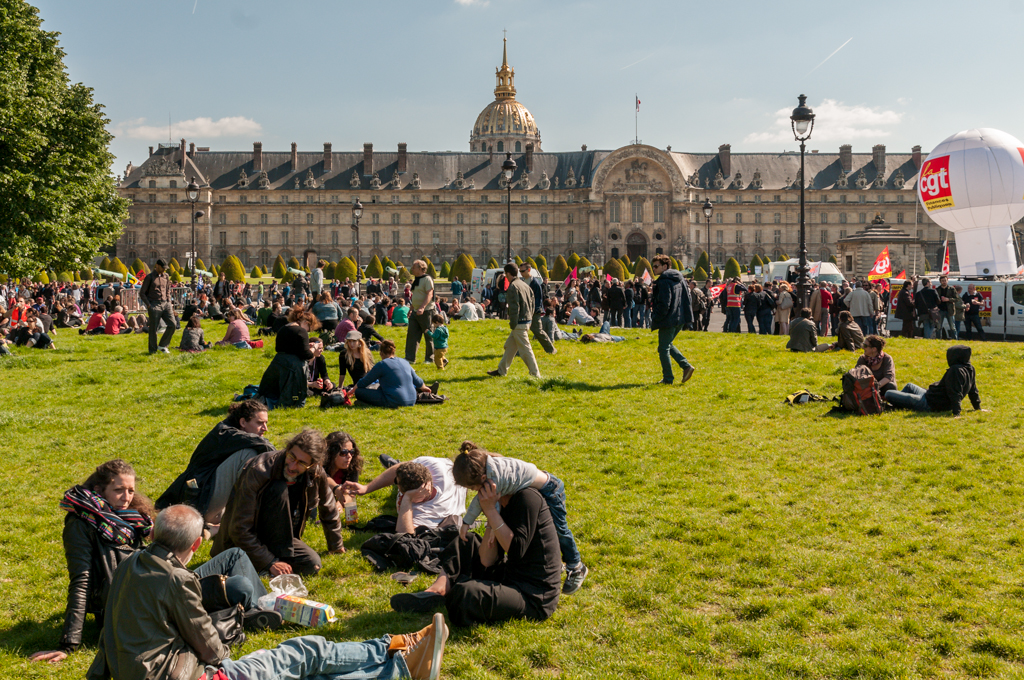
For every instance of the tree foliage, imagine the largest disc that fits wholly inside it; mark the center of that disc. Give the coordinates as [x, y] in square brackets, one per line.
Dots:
[572, 261]
[58, 204]
[560, 269]
[279, 269]
[614, 269]
[541, 260]
[493, 264]
[256, 273]
[446, 271]
[642, 265]
[463, 268]
[431, 270]
[345, 269]
[699, 274]
[404, 275]
[756, 261]
[704, 261]
[375, 269]
[732, 268]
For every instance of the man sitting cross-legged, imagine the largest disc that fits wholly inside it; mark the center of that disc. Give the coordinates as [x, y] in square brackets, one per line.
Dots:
[155, 627]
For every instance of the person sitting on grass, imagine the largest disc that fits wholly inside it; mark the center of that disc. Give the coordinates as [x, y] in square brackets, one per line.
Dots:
[267, 511]
[344, 464]
[849, 336]
[115, 322]
[549, 324]
[284, 382]
[803, 333]
[192, 336]
[439, 334]
[177, 633]
[316, 369]
[354, 359]
[881, 364]
[476, 466]
[371, 337]
[137, 323]
[400, 314]
[106, 521]
[580, 317]
[238, 331]
[397, 381]
[32, 333]
[957, 382]
[96, 324]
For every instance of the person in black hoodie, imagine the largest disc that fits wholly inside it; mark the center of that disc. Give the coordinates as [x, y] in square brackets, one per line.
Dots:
[945, 395]
[671, 313]
[284, 381]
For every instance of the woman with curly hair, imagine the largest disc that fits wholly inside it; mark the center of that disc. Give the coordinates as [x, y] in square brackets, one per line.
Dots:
[344, 464]
[107, 521]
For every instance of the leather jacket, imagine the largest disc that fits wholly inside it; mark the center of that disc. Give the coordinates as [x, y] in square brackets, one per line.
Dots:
[91, 564]
[156, 627]
[241, 516]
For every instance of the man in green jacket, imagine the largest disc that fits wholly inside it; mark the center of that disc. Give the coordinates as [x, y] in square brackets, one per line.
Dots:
[519, 301]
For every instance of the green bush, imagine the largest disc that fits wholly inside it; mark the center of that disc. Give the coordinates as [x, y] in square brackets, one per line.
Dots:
[431, 271]
[77, 276]
[560, 270]
[463, 268]
[732, 268]
[345, 269]
[642, 265]
[446, 271]
[86, 275]
[615, 269]
[138, 266]
[118, 266]
[279, 269]
[375, 269]
[106, 264]
[173, 264]
[717, 274]
[66, 277]
[756, 261]
[704, 261]
[329, 270]
[200, 265]
[699, 274]
[388, 262]
[572, 261]
[256, 273]
[584, 262]
[293, 262]
[543, 272]
[493, 264]
[404, 275]
[832, 259]
[233, 269]
[3, 278]
[175, 276]
[42, 278]
[541, 261]
[518, 260]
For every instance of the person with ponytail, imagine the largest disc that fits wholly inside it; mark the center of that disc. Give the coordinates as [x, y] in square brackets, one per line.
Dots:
[107, 520]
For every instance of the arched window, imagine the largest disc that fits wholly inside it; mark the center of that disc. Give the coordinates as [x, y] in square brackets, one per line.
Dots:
[519, 147]
[501, 146]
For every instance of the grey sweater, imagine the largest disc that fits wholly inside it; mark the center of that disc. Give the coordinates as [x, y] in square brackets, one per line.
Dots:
[510, 475]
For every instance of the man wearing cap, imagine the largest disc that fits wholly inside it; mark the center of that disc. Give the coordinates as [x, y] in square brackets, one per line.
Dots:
[156, 295]
[526, 271]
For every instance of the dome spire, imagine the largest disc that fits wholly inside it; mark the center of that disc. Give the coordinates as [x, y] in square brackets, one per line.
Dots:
[505, 76]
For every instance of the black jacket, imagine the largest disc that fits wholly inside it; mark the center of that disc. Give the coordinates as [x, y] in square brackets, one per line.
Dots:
[616, 298]
[671, 301]
[91, 564]
[219, 444]
[926, 299]
[957, 383]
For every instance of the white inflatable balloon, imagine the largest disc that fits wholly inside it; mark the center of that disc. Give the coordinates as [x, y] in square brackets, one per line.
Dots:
[972, 184]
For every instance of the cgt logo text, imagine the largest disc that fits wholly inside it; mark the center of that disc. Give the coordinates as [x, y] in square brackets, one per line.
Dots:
[935, 190]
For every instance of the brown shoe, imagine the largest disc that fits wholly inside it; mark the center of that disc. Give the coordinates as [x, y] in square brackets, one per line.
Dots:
[401, 643]
[423, 658]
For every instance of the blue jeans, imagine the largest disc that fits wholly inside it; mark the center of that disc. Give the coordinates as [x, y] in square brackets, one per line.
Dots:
[929, 328]
[606, 328]
[627, 317]
[949, 320]
[315, 658]
[732, 320]
[765, 319]
[911, 396]
[554, 493]
[667, 349]
[973, 320]
[243, 585]
[865, 324]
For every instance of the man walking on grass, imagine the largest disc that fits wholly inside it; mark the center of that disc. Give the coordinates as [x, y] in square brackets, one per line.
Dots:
[672, 313]
[537, 288]
[519, 301]
[156, 295]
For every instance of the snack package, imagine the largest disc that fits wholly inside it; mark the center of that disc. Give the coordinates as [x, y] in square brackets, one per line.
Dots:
[304, 612]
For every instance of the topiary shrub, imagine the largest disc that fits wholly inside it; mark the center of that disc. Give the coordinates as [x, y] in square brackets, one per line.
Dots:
[43, 278]
[614, 269]
[756, 261]
[541, 260]
[463, 268]
[518, 260]
[106, 264]
[832, 259]
[388, 262]
[543, 272]
[431, 271]
[279, 269]
[717, 274]
[699, 274]
[293, 262]
[641, 266]
[446, 271]
[560, 269]
[200, 265]
[66, 277]
[256, 273]
[704, 261]
[493, 264]
[175, 276]
[233, 269]
[404, 275]
[375, 269]
[572, 261]
[345, 269]
[732, 268]
[584, 262]
[173, 264]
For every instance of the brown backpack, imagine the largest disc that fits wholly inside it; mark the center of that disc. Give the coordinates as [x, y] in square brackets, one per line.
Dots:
[860, 392]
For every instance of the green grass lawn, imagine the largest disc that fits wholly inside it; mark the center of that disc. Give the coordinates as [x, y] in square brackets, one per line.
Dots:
[728, 534]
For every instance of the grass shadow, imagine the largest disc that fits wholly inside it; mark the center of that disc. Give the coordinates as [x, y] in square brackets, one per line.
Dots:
[27, 636]
[479, 357]
[218, 411]
[550, 384]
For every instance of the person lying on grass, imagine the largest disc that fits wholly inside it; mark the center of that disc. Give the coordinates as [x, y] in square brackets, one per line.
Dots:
[427, 493]
[475, 466]
[957, 382]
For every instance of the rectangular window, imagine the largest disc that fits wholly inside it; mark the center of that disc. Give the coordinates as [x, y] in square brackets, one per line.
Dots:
[483, 218]
[719, 219]
[435, 238]
[221, 219]
[524, 199]
[335, 218]
[777, 236]
[243, 238]
[739, 236]
[824, 198]
[263, 199]
[243, 219]
[504, 218]
[570, 218]
[524, 218]
[824, 235]
[375, 218]
[415, 218]
[309, 218]
[881, 198]
[544, 238]
[435, 199]
[264, 238]
[524, 238]
[437, 218]
[173, 198]
[543, 218]
[223, 237]
[757, 236]
[842, 218]
[415, 198]
[757, 218]
[334, 199]
[920, 218]
[284, 218]
[777, 218]
[613, 211]
[459, 199]
[842, 233]
[395, 236]
[284, 238]
[263, 218]
[824, 218]
[309, 199]
[757, 198]
[659, 211]
[638, 211]
[173, 238]
[696, 236]
[459, 238]
[544, 199]
[776, 199]
[375, 238]
[862, 218]
[863, 198]
[394, 199]
[243, 199]
[568, 237]
[132, 235]
[483, 199]
[415, 238]
[899, 217]
[899, 199]
[920, 234]
[309, 238]
[395, 218]
[459, 219]
[739, 199]
[220, 199]
[485, 237]
[719, 236]
[334, 238]
[151, 238]
[174, 219]
[739, 218]
[718, 199]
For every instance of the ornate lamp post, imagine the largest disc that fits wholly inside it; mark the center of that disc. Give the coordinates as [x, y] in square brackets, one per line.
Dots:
[357, 212]
[708, 211]
[192, 190]
[508, 168]
[802, 122]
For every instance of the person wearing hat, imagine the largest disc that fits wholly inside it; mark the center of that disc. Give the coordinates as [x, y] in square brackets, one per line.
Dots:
[156, 295]
[354, 358]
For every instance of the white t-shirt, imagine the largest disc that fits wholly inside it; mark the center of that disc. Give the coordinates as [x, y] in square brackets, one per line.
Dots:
[450, 498]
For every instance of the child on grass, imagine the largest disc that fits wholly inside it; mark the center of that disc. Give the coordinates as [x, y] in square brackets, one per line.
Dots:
[475, 466]
[439, 333]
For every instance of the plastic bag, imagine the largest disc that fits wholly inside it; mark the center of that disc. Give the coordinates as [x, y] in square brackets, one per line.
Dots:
[285, 584]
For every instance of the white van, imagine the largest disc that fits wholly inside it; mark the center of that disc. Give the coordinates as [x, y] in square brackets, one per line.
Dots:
[1002, 316]
[785, 270]
[481, 277]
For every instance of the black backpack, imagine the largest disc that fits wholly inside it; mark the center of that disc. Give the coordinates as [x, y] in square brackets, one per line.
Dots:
[860, 392]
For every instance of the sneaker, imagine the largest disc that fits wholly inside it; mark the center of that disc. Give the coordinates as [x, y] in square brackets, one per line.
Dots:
[687, 374]
[165, 350]
[387, 461]
[423, 601]
[574, 579]
[435, 387]
[423, 657]
[262, 619]
[494, 373]
[663, 382]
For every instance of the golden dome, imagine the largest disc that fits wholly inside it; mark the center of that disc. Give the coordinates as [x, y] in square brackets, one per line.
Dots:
[505, 119]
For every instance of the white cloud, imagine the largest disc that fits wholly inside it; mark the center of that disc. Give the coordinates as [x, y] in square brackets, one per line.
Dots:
[467, 3]
[833, 121]
[200, 128]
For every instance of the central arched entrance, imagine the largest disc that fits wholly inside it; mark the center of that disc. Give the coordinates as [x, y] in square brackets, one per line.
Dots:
[636, 246]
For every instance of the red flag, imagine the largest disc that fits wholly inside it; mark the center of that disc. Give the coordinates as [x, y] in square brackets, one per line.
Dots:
[570, 277]
[646, 278]
[945, 258]
[901, 275]
[884, 283]
[607, 277]
[882, 268]
[715, 291]
[638, 109]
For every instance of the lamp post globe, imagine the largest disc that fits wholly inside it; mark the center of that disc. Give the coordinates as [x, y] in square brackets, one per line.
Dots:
[508, 168]
[708, 211]
[802, 122]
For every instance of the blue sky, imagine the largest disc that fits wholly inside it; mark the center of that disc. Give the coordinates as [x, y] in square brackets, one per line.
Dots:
[312, 71]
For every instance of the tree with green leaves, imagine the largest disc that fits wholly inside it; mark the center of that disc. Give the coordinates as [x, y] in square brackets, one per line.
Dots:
[732, 268]
[463, 268]
[446, 271]
[572, 261]
[346, 269]
[756, 261]
[518, 260]
[541, 260]
[544, 274]
[431, 271]
[138, 266]
[584, 262]
[86, 275]
[388, 262]
[560, 269]
[279, 269]
[375, 269]
[704, 261]
[642, 265]
[614, 269]
[256, 272]
[117, 266]
[493, 264]
[58, 203]
[699, 274]
[175, 276]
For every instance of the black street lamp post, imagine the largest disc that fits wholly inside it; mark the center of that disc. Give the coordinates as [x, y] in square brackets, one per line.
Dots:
[708, 210]
[192, 190]
[802, 122]
[357, 212]
[509, 169]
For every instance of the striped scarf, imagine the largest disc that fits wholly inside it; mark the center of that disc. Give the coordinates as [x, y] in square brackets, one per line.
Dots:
[120, 527]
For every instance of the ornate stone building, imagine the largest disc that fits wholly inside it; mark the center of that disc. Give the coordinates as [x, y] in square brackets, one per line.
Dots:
[635, 200]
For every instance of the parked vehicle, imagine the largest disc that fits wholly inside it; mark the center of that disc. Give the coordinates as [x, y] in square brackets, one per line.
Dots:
[1002, 316]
